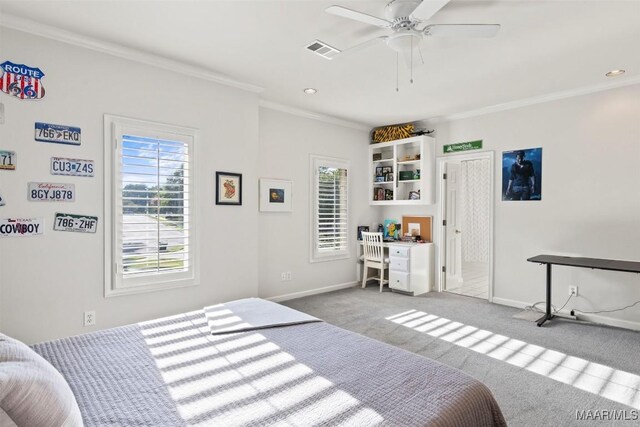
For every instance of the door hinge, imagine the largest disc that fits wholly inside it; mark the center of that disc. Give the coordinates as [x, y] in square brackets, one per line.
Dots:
[444, 222]
[444, 176]
[444, 269]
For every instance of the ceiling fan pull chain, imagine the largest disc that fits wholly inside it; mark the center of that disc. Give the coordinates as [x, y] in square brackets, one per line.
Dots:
[411, 78]
[397, 79]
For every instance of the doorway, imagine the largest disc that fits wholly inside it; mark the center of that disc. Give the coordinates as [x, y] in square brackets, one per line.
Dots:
[466, 231]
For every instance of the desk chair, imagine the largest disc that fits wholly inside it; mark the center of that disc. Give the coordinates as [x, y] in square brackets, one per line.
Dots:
[373, 257]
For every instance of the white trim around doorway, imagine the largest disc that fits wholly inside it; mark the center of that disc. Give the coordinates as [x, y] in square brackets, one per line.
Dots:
[442, 214]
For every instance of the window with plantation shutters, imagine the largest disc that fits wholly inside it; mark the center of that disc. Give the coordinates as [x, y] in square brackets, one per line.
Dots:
[330, 209]
[152, 214]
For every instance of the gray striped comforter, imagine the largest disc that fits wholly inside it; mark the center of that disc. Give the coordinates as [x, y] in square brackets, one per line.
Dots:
[173, 372]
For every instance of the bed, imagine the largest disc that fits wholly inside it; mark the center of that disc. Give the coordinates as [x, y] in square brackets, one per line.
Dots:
[237, 365]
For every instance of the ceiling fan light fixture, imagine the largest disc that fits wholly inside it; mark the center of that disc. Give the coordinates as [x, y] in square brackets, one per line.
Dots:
[310, 91]
[404, 41]
[614, 73]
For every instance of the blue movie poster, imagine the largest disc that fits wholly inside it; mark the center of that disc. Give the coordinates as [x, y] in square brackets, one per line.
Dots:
[522, 174]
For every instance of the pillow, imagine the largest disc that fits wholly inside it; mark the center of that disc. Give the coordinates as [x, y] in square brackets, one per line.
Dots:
[32, 392]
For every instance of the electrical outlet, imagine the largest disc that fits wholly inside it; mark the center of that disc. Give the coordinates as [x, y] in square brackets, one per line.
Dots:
[89, 318]
[573, 290]
[288, 276]
[283, 276]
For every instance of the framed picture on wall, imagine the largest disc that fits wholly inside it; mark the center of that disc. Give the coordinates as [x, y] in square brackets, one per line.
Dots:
[228, 188]
[275, 195]
[522, 174]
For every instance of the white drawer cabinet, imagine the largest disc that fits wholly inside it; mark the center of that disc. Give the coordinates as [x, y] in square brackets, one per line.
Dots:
[411, 267]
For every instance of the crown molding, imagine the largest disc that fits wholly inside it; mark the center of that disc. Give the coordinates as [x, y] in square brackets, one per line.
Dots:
[538, 100]
[315, 116]
[36, 28]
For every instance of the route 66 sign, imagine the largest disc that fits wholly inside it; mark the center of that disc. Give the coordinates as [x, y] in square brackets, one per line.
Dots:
[21, 81]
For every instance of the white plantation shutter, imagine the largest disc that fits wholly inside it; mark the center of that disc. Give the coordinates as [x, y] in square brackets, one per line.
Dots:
[153, 216]
[330, 208]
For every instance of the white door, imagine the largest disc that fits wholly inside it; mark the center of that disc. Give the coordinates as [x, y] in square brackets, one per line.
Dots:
[453, 231]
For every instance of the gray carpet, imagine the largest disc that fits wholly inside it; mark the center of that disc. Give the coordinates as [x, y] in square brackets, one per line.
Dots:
[527, 398]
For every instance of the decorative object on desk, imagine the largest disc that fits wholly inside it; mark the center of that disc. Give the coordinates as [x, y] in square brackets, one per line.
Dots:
[377, 157]
[392, 132]
[275, 195]
[414, 195]
[380, 228]
[391, 229]
[362, 228]
[406, 175]
[462, 146]
[228, 188]
[522, 174]
[421, 224]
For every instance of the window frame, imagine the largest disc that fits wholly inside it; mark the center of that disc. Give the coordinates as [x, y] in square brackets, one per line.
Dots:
[316, 161]
[114, 285]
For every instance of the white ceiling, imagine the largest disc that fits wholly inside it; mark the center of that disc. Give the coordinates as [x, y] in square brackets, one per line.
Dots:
[544, 47]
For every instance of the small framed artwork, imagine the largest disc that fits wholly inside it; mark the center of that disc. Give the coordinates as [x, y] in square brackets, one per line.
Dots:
[378, 170]
[228, 188]
[275, 195]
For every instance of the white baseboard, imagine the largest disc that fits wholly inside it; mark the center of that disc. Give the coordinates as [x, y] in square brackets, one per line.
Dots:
[609, 321]
[316, 291]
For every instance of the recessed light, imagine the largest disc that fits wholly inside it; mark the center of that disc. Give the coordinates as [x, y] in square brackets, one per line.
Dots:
[614, 73]
[310, 91]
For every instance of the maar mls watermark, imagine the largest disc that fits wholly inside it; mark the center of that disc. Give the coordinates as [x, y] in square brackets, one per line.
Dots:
[608, 415]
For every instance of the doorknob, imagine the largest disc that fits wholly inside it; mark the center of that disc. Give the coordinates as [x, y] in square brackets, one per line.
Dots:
[458, 231]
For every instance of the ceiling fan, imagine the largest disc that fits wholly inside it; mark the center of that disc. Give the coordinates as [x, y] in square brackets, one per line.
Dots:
[405, 19]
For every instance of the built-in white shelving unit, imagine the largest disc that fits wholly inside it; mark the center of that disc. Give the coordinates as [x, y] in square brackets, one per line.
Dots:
[402, 172]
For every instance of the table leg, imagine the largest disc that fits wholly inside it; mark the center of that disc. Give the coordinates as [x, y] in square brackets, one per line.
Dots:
[548, 315]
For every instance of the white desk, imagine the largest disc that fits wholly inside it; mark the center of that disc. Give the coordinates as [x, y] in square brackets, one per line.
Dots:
[410, 266]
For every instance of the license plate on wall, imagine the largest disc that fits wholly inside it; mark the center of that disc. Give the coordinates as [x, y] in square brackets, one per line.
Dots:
[8, 160]
[19, 227]
[71, 167]
[77, 223]
[60, 134]
[51, 192]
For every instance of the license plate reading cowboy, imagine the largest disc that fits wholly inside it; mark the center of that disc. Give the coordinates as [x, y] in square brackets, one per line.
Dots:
[72, 167]
[77, 223]
[59, 134]
[51, 192]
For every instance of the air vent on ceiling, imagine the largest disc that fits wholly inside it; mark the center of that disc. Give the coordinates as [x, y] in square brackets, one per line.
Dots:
[321, 48]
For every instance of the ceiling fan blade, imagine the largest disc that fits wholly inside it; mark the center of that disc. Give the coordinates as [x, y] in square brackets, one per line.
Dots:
[358, 16]
[462, 30]
[364, 44]
[427, 9]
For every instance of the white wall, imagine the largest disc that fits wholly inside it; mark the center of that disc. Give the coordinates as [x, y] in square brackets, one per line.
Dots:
[590, 197]
[286, 143]
[47, 282]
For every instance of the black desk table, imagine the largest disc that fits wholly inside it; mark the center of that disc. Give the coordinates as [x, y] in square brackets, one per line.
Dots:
[593, 263]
